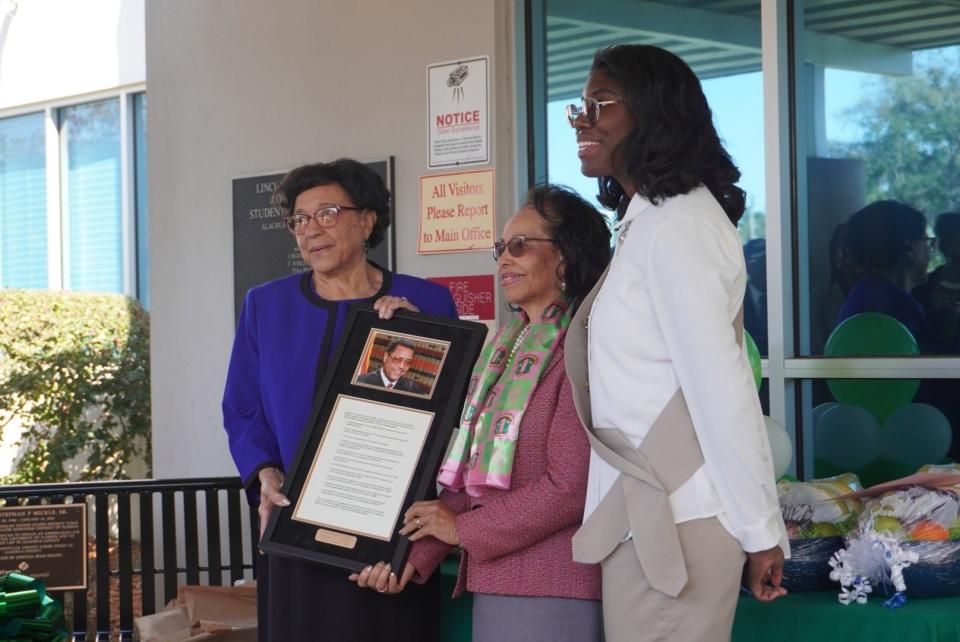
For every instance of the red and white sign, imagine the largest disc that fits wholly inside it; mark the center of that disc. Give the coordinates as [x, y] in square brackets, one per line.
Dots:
[472, 294]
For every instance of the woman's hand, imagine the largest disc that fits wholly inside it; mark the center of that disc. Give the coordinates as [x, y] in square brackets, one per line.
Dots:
[386, 305]
[431, 518]
[763, 574]
[380, 578]
[271, 481]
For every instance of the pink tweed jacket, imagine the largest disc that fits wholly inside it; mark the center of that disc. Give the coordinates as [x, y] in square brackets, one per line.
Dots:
[517, 542]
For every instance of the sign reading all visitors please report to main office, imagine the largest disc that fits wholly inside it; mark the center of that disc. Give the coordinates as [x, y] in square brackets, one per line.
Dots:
[456, 212]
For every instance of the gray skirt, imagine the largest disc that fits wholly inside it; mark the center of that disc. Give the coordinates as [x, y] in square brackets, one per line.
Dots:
[514, 618]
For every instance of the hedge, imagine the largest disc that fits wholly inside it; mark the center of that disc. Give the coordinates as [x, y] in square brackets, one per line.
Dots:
[75, 372]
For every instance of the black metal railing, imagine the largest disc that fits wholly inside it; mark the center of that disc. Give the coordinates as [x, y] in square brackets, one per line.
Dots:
[113, 505]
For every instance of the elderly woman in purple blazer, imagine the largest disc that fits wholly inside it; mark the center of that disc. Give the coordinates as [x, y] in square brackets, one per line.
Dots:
[284, 340]
[516, 471]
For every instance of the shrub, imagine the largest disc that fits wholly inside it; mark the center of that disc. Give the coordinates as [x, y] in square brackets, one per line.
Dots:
[75, 373]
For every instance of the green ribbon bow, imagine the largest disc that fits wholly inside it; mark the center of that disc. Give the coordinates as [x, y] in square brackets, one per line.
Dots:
[27, 613]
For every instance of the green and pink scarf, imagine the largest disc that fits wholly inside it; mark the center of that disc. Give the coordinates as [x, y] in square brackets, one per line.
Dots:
[501, 386]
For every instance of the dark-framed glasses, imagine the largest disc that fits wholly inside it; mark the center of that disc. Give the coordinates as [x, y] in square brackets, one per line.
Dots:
[326, 216]
[516, 246]
[589, 108]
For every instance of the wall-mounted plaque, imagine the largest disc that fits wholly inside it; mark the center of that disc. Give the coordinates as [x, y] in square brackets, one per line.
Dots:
[381, 420]
[264, 250]
[47, 543]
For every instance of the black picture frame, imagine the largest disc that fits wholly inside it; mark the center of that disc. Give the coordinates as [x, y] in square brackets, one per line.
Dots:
[354, 550]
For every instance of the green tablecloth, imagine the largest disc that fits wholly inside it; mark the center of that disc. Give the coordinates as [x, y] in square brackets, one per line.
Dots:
[798, 617]
[456, 616]
[819, 617]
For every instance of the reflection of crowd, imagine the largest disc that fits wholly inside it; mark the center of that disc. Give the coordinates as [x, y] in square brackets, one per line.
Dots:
[940, 294]
[879, 262]
[888, 241]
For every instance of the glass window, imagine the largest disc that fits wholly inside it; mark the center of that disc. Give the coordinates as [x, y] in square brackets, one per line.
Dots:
[879, 177]
[23, 202]
[880, 429]
[90, 179]
[722, 47]
[140, 189]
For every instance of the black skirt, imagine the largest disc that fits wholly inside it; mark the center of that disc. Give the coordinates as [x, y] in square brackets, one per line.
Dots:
[306, 602]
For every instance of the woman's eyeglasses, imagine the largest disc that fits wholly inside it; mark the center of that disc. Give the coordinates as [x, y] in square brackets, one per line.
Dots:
[324, 217]
[516, 246]
[589, 108]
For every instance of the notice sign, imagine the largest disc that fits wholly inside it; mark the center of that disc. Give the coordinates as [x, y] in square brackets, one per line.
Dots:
[47, 543]
[472, 294]
[456, 212]
[459, 113]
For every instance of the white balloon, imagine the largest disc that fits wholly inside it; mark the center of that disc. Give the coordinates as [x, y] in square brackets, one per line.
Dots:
[846, 437]
[781, 447]
[916, 434]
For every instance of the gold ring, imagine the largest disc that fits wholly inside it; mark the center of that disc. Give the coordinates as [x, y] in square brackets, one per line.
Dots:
[419, 524]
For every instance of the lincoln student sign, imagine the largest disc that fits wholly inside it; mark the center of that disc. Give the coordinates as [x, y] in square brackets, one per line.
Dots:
[456, 212]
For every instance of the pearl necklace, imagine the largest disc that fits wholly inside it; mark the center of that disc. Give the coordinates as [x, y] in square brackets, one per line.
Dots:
[518, 341]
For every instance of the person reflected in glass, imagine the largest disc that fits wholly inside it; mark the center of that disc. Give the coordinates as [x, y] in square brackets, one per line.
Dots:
[335, 211]
[888, 240]
[940, 295]
[755, 298]
[826, 301]
[681, 500]
[516, 471]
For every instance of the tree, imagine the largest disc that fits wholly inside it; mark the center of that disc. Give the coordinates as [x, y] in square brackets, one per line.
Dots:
[911, 141]
[75, 375]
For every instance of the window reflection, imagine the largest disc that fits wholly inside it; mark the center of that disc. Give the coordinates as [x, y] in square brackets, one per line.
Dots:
[721, 43]
[23, 202]
[90, 157]
[877, 130]
[881, 429]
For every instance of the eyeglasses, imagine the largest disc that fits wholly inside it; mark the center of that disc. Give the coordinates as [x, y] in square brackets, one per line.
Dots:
[589, 108]
[401, 360]
[324, 217]
[516, 246]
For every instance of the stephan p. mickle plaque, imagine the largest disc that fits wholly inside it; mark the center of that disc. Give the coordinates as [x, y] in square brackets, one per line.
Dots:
[45, 542]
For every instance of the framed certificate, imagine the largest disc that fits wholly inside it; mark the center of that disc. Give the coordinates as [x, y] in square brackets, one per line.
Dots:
[384, 411]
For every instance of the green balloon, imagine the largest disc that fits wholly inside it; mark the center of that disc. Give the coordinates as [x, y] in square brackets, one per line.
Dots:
[871, 334]
[754, 355]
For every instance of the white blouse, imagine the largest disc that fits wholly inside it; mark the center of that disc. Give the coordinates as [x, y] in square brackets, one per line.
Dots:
[664, 320]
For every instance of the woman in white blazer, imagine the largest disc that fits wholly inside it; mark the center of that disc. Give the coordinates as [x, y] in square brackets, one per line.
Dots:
[681, 499]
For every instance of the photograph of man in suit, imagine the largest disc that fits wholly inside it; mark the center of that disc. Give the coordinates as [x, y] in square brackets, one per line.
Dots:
[396, 362]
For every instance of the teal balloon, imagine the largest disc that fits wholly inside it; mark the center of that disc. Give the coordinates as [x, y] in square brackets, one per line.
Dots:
[753, 353]
[871, 334]
[916, 434]
[818, 411]
[847, 438]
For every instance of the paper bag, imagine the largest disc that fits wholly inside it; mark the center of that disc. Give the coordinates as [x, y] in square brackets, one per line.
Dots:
[218, 613]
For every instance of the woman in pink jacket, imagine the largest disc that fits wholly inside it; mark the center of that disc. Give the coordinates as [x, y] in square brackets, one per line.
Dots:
[516, 471]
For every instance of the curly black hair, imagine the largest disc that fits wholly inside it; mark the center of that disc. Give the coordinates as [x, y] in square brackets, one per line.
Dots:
[581, 233]
[363, 185]
[675, 146]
